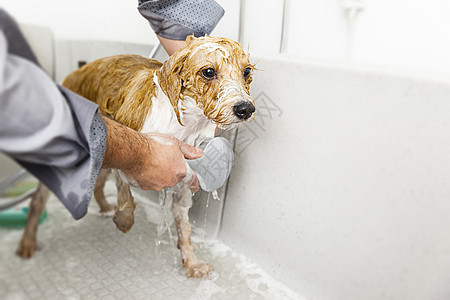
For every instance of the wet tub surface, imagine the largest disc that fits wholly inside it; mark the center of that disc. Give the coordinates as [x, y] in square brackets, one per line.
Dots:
[90, 259]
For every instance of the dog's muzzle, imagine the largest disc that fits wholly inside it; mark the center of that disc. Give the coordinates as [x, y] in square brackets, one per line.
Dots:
[244, 110]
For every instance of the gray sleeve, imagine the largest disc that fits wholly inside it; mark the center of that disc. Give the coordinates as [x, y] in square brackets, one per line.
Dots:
[54, 133]
[176, 19]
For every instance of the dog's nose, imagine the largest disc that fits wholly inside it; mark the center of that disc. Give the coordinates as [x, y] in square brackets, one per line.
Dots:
[244, 110]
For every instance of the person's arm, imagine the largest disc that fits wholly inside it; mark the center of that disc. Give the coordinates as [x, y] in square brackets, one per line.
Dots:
[171, 46]
[173, 21]
[154, 161]
[48, 131]
[60, 138]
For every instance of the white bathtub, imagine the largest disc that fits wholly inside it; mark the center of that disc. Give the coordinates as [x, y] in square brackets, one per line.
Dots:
[342, 191]
[340, 186]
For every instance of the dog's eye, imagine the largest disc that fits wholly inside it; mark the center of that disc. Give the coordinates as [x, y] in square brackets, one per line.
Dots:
[209, 73]
[247, 72]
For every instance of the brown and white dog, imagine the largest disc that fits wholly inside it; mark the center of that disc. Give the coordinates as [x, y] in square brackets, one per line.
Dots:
[199, 88]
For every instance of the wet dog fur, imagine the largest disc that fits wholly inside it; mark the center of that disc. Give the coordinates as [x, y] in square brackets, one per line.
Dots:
[201, 87]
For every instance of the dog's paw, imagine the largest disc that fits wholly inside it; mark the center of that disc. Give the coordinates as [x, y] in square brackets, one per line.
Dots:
[26, 248]
[198, 270]
[124, 221]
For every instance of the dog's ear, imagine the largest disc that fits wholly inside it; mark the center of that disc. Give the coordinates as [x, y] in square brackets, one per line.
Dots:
[170, 77]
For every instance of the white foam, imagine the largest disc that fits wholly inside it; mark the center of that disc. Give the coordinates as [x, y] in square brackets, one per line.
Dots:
[206, 290]
[212, 47]
[107, 214]
[161, 139]
[129, 180]
[215, 195]
[190, 175]
[255, 277]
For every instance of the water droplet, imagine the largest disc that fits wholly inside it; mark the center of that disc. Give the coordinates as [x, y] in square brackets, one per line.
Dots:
[215, 195]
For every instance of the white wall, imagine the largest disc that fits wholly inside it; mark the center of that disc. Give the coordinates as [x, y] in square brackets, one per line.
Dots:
[113, 20]
[85, 19]
[262, 22]
[405, 33]
[410, 34]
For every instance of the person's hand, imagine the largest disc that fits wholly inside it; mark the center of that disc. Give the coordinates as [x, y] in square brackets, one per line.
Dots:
[150, 161]
[164, 164]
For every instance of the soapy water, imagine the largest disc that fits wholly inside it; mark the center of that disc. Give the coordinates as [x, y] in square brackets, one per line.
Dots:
[248, 276]
[205, 220]
[234, 277]
[90, 259]
[128, 180]
[161, 139]
[190, 175]
[215, 195]
[166, 220]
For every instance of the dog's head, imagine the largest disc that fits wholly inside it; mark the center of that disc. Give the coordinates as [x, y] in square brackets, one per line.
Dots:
[216, 73]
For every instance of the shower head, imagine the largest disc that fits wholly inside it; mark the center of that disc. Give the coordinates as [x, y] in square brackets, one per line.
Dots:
[214, 167]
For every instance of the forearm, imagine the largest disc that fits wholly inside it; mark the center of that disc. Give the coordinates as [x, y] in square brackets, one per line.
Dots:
[149, 161]
[171, 45]
[123, 146]
[176, 20]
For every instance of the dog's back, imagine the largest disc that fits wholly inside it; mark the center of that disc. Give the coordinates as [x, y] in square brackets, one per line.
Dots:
[117, 84]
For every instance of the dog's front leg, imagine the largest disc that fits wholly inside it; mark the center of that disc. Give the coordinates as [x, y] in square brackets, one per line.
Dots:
[37, 205]
[182, 201]
[106, 209]
[124, 217]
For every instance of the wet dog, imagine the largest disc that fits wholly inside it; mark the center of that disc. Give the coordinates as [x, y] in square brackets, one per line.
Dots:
[199, 88]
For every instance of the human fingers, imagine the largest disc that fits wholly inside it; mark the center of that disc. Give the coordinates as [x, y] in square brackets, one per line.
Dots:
[190, 152]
